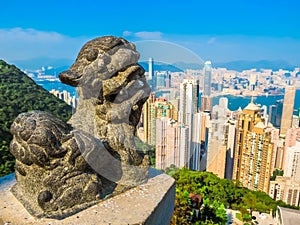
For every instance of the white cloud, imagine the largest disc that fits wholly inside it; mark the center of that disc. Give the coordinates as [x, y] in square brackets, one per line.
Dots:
[127, 33]
[30, 35]
[223, 48]
[21, 44]
[144, 35]
[148, 35]
[212, 40]
[24, 44]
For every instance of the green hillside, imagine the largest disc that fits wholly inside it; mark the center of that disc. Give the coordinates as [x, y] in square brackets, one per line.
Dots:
[217, 194]
[19, 93]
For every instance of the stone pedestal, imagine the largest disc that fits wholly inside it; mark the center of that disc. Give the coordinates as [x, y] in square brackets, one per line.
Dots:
[151, 203]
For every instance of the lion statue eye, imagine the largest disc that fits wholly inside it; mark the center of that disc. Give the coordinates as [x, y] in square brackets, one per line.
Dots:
[92, 55]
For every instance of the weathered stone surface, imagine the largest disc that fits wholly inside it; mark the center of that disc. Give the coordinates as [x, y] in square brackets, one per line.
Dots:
[62, 168]
[112, 89]
[151, 203]
[53, 177]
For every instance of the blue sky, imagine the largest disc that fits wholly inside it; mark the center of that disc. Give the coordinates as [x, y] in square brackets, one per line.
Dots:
[214, 30]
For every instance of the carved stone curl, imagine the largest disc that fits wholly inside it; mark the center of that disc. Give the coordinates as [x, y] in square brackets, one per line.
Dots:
[62, 168]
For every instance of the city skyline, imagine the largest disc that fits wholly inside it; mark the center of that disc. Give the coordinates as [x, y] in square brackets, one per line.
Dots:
[218, 31]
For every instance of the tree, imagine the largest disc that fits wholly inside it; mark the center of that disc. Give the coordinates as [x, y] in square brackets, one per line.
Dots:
[217, 194]
[19, 93]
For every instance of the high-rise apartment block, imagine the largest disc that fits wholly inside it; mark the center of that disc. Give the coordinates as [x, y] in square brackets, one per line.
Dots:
[163, 79]
[199, 140]
[190, 118]
[221, 141]
[275, 113]
[156, 108]
[277, 142]
[252, 81]
[288, 109]
[230, 135]
[66, 97]
[279, 153]
[292, 162]
[285, 189]
[206, 103]
[188, 101]
[216, 150]
[253, 150]
[171, 144]
[291, 152]
[295, 121]
[290, 139]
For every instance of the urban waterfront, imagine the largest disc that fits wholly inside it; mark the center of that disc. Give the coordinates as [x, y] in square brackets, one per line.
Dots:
[205, 93]
[234, 102]
[57, 85]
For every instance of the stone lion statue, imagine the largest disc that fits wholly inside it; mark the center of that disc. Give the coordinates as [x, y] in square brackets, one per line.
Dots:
[61, 167]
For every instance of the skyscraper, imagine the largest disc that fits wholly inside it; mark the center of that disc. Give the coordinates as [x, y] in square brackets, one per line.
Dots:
[276, 145]
[161, 79]
[152, 79]
[150, 68]
[288, 109]
[275, 112]
[292, 135]
[207, 78]
[292, 165]
[206, 103]
[196, 145]
[188, 106]
[171, 139]
[221, 141]
[149, 117]
[252, 81]
[216, 150]
[287, 187]
[230, 131]
[253, 150]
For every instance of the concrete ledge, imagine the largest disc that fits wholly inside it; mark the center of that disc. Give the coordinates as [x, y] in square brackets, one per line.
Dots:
[151, 203]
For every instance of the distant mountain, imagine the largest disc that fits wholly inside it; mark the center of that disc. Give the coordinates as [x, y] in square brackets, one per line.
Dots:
[161, 67]
[193, 66]
[238, 65]
[19, 93]
[55, 70]
[37, 63]
[261, 64]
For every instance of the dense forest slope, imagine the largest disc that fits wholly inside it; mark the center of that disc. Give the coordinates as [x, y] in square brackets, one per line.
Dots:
[217, 195]
[19, 93]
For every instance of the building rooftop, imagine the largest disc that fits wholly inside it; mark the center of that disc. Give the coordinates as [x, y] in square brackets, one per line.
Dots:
[260, 125]
[289, 216]
[252, 106]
